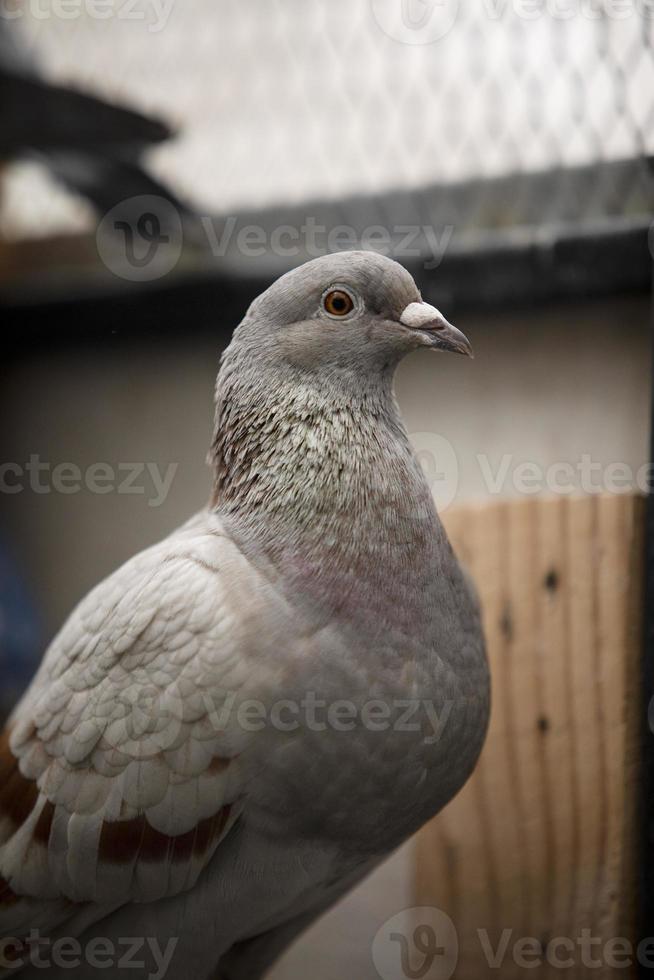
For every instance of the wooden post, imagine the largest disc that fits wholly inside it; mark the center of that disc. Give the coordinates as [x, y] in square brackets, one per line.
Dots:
[646, 865]
[542, 840]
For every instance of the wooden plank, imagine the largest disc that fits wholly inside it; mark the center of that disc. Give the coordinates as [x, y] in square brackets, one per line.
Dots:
[541, 842]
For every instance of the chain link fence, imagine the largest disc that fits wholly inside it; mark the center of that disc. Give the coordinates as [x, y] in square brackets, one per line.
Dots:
[498, 119]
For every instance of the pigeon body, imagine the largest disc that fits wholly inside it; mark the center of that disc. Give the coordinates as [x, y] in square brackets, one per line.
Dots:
[243, 720]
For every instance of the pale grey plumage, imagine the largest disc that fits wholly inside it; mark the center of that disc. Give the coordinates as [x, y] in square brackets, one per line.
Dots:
[320, 573]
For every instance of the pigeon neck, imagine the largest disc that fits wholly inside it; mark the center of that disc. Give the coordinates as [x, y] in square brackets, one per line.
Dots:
[325, 484]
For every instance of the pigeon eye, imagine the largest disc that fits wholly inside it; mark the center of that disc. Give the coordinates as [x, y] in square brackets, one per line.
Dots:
[338, 303]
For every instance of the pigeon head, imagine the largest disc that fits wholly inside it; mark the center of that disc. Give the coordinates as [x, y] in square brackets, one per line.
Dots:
[305, 387]
[357, 312]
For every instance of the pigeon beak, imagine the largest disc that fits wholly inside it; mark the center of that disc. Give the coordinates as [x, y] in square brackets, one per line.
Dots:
[441, 335]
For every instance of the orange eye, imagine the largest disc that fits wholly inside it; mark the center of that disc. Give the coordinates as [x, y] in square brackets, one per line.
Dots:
[338, 303]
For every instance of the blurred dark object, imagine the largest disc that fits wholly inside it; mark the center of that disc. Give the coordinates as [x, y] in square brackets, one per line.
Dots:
[35, 115]
[21, 642]
[564, 231]
[464, 257]
[91, 146]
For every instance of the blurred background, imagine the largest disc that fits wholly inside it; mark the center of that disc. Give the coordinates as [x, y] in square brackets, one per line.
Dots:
[162, 161]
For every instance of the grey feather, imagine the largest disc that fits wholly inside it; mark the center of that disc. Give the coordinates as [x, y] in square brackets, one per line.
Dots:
[319, 574]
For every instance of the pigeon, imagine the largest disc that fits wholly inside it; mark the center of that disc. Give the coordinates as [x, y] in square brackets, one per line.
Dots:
[243, 720]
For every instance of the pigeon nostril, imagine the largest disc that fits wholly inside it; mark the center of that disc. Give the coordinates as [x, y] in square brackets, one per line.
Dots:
[423, 316]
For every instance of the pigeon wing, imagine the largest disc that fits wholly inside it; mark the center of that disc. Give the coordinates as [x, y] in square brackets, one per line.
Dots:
[118, 779]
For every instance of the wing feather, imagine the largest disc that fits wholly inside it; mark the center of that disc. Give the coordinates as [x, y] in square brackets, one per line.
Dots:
[116, 784]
